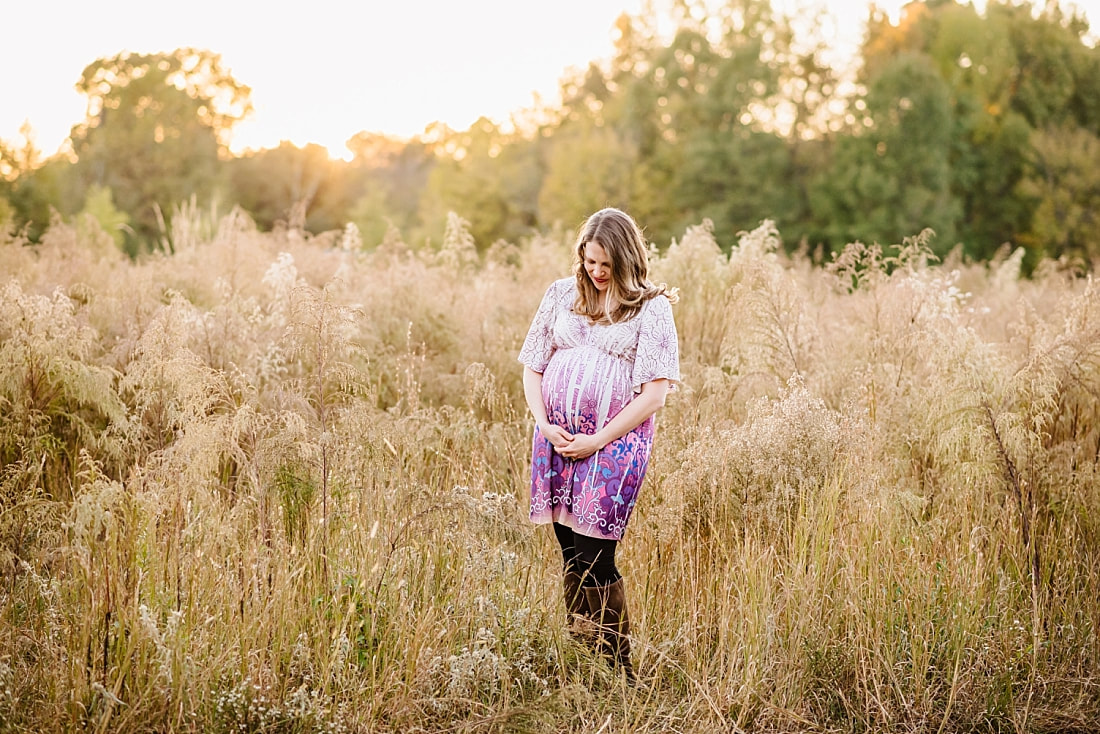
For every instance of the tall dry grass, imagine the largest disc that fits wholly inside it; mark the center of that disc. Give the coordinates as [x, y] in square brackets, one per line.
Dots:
[275, 483]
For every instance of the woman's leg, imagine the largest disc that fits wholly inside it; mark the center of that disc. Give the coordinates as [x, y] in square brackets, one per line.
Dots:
[605, 595]
[567, 541]
[576, 606]
[596, 560]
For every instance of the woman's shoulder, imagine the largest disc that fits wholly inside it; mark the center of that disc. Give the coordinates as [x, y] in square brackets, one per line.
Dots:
[659, 303]
[563, 288]
[568, 283]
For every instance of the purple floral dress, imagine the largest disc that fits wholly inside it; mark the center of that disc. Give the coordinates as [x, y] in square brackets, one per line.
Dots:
[589, 373]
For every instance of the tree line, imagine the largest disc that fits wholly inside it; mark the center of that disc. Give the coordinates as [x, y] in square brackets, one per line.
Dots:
[984, 127]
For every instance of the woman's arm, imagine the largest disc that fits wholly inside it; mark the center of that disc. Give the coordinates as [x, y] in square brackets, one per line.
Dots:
[649, 401]
[532, 391]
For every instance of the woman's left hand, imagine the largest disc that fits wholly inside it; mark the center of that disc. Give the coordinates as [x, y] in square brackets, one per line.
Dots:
[582, 446]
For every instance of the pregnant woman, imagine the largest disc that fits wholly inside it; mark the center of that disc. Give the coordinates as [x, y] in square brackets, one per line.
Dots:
[599, 359]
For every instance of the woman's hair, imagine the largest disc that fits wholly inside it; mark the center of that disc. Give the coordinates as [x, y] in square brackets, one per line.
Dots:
[616, 232]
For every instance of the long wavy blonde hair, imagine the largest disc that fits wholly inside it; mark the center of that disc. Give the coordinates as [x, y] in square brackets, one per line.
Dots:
[617, 233]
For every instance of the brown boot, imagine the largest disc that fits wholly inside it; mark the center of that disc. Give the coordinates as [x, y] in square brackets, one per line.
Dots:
[607, 605]
[577, 614]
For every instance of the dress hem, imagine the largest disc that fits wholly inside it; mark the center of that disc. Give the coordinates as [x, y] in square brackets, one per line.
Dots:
[568, 520]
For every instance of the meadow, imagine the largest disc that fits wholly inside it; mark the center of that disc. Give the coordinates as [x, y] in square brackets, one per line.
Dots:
[272, 482]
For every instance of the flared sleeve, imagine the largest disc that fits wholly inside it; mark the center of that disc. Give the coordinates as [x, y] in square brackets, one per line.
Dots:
[658, 354]
[538, 347]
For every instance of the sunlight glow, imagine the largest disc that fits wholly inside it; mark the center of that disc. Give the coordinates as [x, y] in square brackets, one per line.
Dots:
[344, 68]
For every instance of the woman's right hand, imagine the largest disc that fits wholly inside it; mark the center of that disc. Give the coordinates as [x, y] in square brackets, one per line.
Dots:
[556, 435]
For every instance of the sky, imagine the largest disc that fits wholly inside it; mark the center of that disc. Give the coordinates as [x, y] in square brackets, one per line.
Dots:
[321, 71]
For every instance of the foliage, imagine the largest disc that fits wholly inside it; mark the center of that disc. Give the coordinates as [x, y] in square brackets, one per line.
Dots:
[393, 174]
[1066, 186]
[488, 174]
[100, 206]
[7, 214]
[726, 110]
[894, 177]
[1013, 73]
[155, 126]
[199, 74]
[296, 188]
[39, 193]
[585, 163]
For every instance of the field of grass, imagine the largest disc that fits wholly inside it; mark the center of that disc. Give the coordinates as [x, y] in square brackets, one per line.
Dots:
[272, 483]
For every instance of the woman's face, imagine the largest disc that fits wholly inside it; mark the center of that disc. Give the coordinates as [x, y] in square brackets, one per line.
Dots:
[597, 265]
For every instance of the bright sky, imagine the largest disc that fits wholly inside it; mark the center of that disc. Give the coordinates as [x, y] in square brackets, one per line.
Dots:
[322, 70]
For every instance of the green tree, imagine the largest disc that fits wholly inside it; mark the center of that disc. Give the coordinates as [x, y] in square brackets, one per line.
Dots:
[1043, 82]
[100, 206]
[34, 187]
[20, 157]
[154, 129]
[36, 194]
[389, 176]
[736, 180]
[894, 179]
[486, 175]
[302, 188]
[810, 99]
[1010, 72]
[588, 166]
[1064, 180]
[975, 56]
[676, 130]
[731, 165]
[7, 217]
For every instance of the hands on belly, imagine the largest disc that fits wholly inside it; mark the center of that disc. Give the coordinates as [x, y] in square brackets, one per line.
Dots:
[570, 445]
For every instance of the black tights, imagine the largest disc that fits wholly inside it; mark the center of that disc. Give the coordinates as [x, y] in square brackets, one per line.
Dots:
[593, 558]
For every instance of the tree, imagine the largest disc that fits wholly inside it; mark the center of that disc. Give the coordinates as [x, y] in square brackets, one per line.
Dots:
[99, 205]
[732, 165]
[33, 188]
[893, 180]
[19, 158]
[1043, 82]
[37, 193]
[676, 130]
[1064, 180]
[735, 179]
[975, 56]
[487, 176]
[1009, 73]
[7, 217]
[390, 175]
[221, 100]
[587, 167]
[154, 129]
[302, 188]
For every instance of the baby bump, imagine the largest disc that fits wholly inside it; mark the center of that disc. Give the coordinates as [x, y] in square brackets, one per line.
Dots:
[584, 388]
